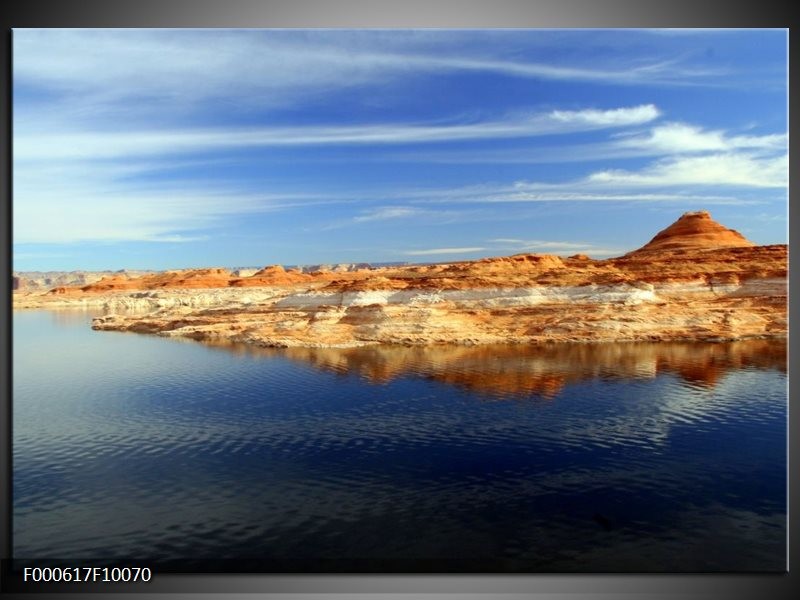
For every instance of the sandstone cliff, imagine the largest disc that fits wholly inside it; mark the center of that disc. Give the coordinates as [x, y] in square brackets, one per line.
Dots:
[47, 280]
[695, 230]
[696, 280]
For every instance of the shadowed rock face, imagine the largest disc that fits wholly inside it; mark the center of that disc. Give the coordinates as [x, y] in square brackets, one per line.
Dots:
[695, 230]
[696, 280]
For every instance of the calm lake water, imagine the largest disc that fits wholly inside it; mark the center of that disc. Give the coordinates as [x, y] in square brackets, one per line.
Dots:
[614, 457]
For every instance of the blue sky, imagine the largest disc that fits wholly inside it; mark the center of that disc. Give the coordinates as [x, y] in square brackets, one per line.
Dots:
[161, 149]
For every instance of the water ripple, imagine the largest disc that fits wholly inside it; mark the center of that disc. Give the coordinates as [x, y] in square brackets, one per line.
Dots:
[620, 457]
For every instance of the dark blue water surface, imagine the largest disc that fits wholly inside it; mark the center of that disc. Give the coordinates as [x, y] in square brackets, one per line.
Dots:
[620, 457]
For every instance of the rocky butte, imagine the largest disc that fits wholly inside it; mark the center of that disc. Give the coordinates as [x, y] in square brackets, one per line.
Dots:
[695, 280]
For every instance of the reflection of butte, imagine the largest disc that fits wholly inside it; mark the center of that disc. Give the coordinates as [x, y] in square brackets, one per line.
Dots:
[695, 281]
[542, 371]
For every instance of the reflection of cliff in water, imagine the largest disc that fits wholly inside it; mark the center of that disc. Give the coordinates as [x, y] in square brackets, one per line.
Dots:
[503, 370]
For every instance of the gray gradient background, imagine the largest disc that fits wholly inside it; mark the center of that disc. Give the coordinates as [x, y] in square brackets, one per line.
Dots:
[382, 13]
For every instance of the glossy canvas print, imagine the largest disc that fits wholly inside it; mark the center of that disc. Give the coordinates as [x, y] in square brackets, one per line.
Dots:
[401, 300]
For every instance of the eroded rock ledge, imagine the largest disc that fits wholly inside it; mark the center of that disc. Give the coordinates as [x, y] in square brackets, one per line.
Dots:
[696, 280]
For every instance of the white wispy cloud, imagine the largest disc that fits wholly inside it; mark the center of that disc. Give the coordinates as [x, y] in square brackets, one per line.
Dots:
[661, 140]
[80, 202]
[730, 169]
[72, 186]
[607, 118]
[675, 138]
[580, 190]
[73, 216]
[31, 145]
[571, 192]
[98, 71]
[103, 109]
[540, 243]
[503, 246]
[668, 72]
[561, 248]
[682, 178]
[388, 212]
[435, 251]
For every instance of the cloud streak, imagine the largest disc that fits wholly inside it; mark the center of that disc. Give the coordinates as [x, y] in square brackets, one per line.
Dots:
[175, 70]
[675, 138]
[731, 169]
[569, 191]
[681, 178]
[82, 186]
[661, 140]
[78, 202]
[512, 245]
[387, 213]
[440, 251]
[90, 145]
[173, 136]
[560, 248]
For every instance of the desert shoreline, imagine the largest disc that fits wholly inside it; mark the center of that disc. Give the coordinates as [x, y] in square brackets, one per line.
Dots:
[695, 281]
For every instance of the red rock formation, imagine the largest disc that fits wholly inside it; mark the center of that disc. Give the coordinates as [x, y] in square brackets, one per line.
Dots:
[272, 275]
[695, 230]
[113, 283]
[192, 278]
[695, 280]
[726, 257]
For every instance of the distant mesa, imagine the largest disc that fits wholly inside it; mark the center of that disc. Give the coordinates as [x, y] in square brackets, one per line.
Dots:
[44, 281]
[695, 230]
[695, 280]
[338, 268]
[270, 275]
[247, 272]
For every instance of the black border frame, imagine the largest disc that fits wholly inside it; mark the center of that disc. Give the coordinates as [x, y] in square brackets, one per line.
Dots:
[383, 14]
